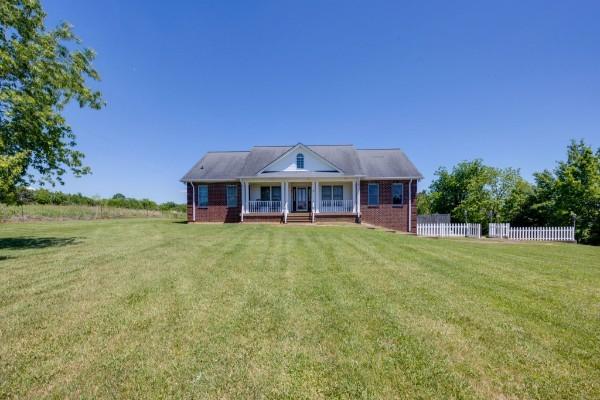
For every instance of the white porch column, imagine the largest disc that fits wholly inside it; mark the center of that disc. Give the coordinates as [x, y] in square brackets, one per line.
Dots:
[282, 195]
[243, 188]
[354, 196]
[358, 197]
[312, 200]
[285, 198]
[318, 197]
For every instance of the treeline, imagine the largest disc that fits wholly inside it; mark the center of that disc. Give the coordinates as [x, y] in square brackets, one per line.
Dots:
[567, 195]
[24, 196]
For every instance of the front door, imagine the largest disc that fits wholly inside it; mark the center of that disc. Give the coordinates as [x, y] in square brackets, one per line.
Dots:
[301, 199]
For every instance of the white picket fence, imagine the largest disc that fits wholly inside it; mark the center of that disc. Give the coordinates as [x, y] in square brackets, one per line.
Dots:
[449, 230]
[551, 233]
[499, 230]
[554, 233]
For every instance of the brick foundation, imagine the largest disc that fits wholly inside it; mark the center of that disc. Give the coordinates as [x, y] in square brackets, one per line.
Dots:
[272, 219]
[335, 218]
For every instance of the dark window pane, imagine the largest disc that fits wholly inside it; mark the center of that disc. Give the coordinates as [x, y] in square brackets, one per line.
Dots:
[373, 194]
[300, 161]
[326, 193]
[231, 196]
[265, 193]
[276, 193]
[397, 189]
[203, 196]
[338, 192]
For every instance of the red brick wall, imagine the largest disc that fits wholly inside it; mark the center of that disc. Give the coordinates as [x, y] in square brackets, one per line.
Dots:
[385, 214]
[217, 210]
[263, 218]
[334, 218]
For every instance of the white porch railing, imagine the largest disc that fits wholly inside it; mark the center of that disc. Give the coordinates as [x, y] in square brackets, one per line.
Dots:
[336, 206]
[260, 206]
[449, 230]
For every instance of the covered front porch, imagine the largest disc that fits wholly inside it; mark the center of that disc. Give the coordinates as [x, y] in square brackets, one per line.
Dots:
[300, 196]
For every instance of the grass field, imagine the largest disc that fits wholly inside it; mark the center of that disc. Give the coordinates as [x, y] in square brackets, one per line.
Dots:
[154, 308]
[36, 212]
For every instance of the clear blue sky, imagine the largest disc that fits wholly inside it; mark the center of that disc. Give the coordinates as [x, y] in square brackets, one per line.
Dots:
[508, 82]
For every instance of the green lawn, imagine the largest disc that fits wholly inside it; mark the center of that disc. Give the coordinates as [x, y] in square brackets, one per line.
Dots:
[153, 308]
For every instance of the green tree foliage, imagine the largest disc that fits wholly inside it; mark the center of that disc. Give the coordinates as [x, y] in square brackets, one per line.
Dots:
[475, 192]
[572, 189]
[11, 170]
[480, 193]
[41, 71]
[424, 203]
[24, 195]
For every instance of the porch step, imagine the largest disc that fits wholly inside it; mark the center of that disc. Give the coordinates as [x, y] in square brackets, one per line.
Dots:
[299, 217]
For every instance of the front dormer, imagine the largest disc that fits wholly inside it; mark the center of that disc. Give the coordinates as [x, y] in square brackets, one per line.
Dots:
[300, 159]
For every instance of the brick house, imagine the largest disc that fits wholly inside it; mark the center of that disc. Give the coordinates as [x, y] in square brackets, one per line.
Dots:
[304, 184]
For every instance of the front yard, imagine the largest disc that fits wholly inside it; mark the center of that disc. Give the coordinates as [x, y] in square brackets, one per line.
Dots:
[154, 308]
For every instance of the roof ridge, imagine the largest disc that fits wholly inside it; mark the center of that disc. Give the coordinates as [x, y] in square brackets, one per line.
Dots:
[382, 148]
[331, 145]
[228, 151]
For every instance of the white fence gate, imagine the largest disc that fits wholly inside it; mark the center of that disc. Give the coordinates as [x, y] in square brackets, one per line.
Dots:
[554, 233]
[499, 230]
[449, 230]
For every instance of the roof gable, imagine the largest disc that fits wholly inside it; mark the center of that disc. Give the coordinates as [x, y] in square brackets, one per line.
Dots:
[313, 162]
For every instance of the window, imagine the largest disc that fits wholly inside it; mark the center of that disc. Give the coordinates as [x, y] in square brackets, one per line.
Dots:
[332, 192]
[232, 196]
[203, 196]
[276, 193]
[326, 193]
[270, 193]
[397, 193]
[373, 194]
[265, 193]
[300, 161]
[338, 193]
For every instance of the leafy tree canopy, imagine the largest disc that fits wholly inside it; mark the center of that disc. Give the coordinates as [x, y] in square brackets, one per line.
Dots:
[41, 71]
[475, 192]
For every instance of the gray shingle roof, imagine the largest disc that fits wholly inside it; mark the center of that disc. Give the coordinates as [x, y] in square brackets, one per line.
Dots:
[261, 156]
[387, 163]
[217, 165]
[226, 165]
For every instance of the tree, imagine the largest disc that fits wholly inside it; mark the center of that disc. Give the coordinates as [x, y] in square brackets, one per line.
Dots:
[11, 170]
[474, 192]
[461, 192]
[41, 71]
[119, 196]
[423, 203]
[577, 189]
